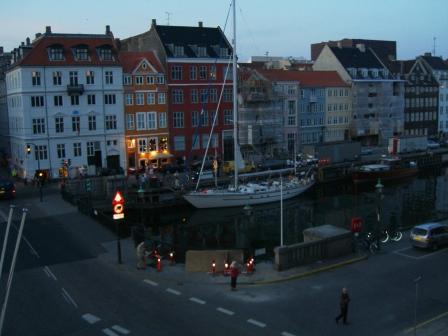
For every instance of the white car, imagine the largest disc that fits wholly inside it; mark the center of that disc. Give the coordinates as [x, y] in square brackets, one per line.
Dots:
[433, 145]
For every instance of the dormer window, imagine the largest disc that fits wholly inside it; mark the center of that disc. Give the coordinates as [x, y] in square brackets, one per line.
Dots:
[105, 54]
[202, 52]
[223, 52]
[56, 54]
[374, 73]
[178, 51]
[81, 54]
[364, 73]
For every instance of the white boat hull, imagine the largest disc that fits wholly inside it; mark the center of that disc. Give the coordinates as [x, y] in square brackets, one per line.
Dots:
[224, 198]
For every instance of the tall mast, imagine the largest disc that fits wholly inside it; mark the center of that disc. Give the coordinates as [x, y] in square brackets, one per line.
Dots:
[235, 100]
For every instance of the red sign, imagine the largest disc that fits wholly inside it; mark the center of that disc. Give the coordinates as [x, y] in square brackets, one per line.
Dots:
[118, 206]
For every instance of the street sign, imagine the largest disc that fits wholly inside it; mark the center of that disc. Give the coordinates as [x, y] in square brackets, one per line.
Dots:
[118, 206]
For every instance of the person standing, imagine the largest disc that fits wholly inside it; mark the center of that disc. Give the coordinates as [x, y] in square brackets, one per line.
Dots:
[343, 303]
[234, 272]
[141, 256]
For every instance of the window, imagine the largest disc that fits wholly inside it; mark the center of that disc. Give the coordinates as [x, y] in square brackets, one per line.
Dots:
[204, 96]
[141, 121]
[227, 96]
[161, 98]
[152, 144]
[178, 120]
[77, 149]
[56, 54]
[109, 99]
[178, 51]
[60, 148]
[73, 75]
[139, 80]
[91, 99]
[39, 126]
[127, 80]
[37, 101]
[105, 54]
[57, 78]
[194, 95]
[205, 138]
[195, 141]
[130, 122]
[162, 120]
[223, 52]
[202, 52]
[179, 143]
[74, 100]
[151, 98]
[57, 100]
[76, 124]
[212, 72]
[228, 117]
[90, 77]
[59, 124]
[139, 98]
[213, 95]
[111, 122]
[92, 123]
[177, 96]
[149, 79]
[90, 148]
[203, 72]
[109, 76]
[41, 153]
[193, 72]
[81, 54]
[152, 120]
[291, 113]
[176, 72]
[194, 119]
[142, 145]
[129, 99]
[204, 118]
[35, 78]
[160, 79]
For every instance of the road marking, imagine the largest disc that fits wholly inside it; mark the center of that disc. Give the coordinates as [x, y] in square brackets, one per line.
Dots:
[399, 252]
[173, 291]
[90, 318]
[120, 329]
[152, 283]
[438, 317]
[193, 299]
[50, 273]
[225, 311]
[285, 333]
[109, 332]
[67, 296]
[256, 323]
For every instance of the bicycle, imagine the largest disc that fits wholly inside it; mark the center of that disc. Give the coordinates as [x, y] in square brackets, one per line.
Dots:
[394, 236]
[368, 242]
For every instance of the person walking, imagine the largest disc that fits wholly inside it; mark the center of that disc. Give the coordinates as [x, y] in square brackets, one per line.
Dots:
[141, 256]
[234, 272]
[343, 303]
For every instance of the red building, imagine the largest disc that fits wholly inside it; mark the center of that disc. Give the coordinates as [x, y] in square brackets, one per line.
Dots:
[198, 74]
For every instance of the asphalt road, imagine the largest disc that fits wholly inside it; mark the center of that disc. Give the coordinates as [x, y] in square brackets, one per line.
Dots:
[64, 286]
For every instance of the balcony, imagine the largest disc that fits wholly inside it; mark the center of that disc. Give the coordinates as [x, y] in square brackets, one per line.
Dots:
[77, 89]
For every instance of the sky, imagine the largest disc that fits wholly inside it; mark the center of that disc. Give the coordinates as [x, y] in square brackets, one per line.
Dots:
[279, 28]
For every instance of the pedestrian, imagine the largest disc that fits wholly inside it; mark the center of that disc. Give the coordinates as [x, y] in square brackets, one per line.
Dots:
[343, 303]
[141, 256]
[234, 271]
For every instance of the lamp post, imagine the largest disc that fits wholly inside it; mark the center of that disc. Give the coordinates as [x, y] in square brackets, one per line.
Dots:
[379, 191]
[40, 174]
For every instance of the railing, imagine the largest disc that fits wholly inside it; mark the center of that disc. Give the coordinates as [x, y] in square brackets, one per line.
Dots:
[75, 89]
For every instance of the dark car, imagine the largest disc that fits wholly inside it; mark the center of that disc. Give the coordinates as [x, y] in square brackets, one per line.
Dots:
[430, 235]
[7, 189]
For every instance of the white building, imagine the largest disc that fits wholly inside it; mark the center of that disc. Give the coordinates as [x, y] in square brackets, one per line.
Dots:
[65, 101]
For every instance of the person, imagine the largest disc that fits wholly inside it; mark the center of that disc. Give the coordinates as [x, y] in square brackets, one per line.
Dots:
[141, 256]
[343, 303]
[234, 271]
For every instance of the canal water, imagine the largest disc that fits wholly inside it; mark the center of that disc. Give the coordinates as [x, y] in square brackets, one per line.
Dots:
[400, 204]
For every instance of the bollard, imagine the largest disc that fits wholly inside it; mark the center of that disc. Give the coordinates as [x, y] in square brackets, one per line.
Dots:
[213, 267]
[250, 265]
[159, 263]
[172, 261]
[226, 268]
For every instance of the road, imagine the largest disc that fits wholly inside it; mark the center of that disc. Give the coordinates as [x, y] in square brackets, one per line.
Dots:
[64, 285]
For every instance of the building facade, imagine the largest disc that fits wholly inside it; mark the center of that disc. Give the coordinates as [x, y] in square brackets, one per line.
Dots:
[146, 110]
[5, 62]
[65, 102]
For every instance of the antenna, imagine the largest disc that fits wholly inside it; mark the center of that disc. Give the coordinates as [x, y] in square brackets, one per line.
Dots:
[434, 46]
[168, 14]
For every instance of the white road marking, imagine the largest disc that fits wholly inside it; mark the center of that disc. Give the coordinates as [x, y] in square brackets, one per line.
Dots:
[109, 332]
[285, 333]
[225, 311]
[256, 323]
[120, 329]
[50, 273]
[419, 257]
[193, 299]
[173, 291]
[150, 282]
[90, 318]
[67, 296]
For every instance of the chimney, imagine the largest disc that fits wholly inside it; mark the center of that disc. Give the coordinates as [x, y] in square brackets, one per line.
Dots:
[28, 42]
[339, 44]
[154, 23]
[108, 32]
[1, 50]
[200, 24]
[48, 30]
[361, 47]
[427, 54]
[38, 35]
[22, 44]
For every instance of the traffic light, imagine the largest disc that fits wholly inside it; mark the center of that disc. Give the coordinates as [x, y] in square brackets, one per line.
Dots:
[28, 149]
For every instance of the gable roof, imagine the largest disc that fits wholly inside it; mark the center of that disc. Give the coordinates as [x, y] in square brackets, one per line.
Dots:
[130, 60]
[355, 58]
[193, 36]
[436, 63]
[305, 78]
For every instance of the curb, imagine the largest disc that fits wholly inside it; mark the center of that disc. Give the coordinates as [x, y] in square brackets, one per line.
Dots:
[312, 272]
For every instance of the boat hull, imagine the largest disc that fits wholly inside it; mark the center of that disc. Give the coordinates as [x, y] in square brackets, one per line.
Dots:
[373, 176]
[203, 200]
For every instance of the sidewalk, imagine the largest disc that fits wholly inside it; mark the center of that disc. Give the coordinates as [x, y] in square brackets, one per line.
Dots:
[436, 326]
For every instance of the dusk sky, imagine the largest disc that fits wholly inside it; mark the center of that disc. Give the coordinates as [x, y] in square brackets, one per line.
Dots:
[281, 28]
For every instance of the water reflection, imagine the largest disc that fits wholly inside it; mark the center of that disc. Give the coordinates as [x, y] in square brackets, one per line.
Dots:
[403, 205]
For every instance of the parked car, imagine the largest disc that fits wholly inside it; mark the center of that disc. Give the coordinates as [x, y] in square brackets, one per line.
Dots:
[429, 235]
[7, 189]
[433, 144]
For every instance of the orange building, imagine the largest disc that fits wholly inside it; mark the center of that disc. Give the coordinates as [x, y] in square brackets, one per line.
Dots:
[146, 110]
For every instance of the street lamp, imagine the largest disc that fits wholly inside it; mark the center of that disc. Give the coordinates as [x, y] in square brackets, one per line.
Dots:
[379, 191]
[40, 174]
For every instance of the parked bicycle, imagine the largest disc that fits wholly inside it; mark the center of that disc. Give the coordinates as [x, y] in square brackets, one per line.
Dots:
[367, 241]
[394, 236]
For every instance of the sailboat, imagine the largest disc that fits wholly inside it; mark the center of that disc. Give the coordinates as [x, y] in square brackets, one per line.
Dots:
[249, 193]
